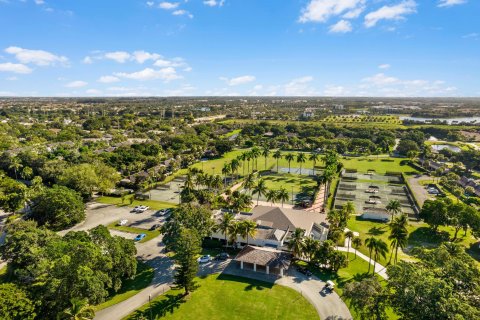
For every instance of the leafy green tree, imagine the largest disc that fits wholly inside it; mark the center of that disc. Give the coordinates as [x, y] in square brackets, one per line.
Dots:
[58, 208]
[15, 304]
[434, 213]
[12, 194]
[81, 178]
[406, 146]
[79, 310]
[368, 298]
[187, 248]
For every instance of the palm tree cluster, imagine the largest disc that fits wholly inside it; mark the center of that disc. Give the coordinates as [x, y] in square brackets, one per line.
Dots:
[316, 252]
[201, 186]
[398, 235]
[376, 247]
[238, 201]
[232, 228]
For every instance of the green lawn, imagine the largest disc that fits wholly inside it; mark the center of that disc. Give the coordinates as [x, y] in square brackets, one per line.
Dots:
[155, 205]
[380, 165]
[419, 235]
[150, 234]
[231, 133]
[228, 297]
[289, 181]
[130, 287]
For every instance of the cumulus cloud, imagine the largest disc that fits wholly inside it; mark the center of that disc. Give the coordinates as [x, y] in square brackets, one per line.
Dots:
[450, 3]
[394, 12]
[238, 80]
[168, 5]
[108, 79]
[322, 10]
[87, 60]
[214, 3]
[342, 26]
[142, 56]
[76, 84]
[37, 57]
[182, 12]
[14, 68]
[118, 56]
[166, 74]
[300, 87]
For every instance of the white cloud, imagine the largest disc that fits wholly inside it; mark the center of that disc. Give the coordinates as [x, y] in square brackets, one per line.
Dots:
[342, 26]
[108, 79]
[142, 56]
[238, 80]
[450, 3]
[335, 91]
[395, 12]
[39, 2]
[322, 10]
[76, 84]
[182, 13]
[300, 87]
[384, 66]
[87, 60]
[93, 92]
[37, 57]
[473, 35]
[150, 3]
[214, 3]
[166, 74]
[168, 5]
[15, 68]
[380, 79]
[118, 56]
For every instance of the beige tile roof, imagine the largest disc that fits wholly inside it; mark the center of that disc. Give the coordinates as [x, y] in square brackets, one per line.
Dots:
[264, 257]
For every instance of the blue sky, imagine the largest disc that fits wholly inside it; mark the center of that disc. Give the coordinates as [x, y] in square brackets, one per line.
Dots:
[240, 47]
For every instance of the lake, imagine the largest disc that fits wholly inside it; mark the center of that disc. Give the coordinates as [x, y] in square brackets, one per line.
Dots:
[475, 120]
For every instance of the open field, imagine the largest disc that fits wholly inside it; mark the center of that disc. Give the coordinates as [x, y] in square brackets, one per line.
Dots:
[154, 205]
[362, 119]
[228, 297]
[150, 234]
[380, 165]
[130, 287]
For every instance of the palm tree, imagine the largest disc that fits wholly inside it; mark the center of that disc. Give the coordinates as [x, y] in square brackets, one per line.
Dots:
[349, 208]
[310, 248]
[370, 243]
[282, 195]
[224, 225]
[15, 165]
[248, 228]
[272, 196]
[243, 157]
[398, 234]
[349, 235]
[277, 155]
[255, 152]
[394, 207]
[314, 158]
[380, 250]
[265, 154]
[301, 158]
[289, 157]
[248, 183]
[248, 157]
[295, 244]
[260, 189]
[233, 232]
[356, 243]
[227, 168]
[234, 165]
[79, 310]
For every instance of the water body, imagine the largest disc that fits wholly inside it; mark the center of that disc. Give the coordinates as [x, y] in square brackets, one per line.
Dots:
[474, 120]
[438, 147]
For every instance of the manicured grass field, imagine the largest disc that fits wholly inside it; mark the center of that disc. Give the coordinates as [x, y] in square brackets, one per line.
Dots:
[231, 133]
[130, 287]
[150, 234]
[380, 165]
[155, 205]
[288, 181]
[225, 297]
[419, 235]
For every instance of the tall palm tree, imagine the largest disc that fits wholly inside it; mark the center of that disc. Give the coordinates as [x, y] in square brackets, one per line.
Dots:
[233, 232]
[349, 235]
[398, 234]
[282, 195]
[248, 182]
[310, 248]
[248, 157]
[380, 250]
[370, 243]
[301, 158]
[248, 228]
[356, 243]
[295, 244]
[255, 152]
[79, 310]
[224, 225]
[272, 196]
[277, 156]
[265, 154]
[234, 165]
[349, 208]
[314, 158]
[289, 157]
[227, 168]
[260, 189]
[15, 165]
[394, 207]
[243, 157]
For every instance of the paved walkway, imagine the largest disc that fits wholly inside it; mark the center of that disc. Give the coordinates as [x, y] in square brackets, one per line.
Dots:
[329, 305]
[379, 269]
[319, 202]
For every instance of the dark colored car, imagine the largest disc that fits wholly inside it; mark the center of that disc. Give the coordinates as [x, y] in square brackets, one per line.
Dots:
[305, 271]
[155, 227]
[222, 256]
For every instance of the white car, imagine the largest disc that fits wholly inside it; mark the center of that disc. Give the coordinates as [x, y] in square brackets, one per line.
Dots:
[140, 209]
[204, 259]
[123, 222]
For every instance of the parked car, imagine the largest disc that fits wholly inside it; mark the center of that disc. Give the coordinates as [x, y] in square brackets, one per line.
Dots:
[222, 256]
[140, 209]
[164, 212]
[123, 222]
[155, 226]
[305, 271]
[140, 237]
[204, 259]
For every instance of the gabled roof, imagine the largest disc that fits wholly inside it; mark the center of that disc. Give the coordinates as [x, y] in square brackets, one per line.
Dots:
[264, 257]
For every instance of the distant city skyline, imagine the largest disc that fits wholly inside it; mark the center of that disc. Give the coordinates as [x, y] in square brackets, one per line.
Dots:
[391, 48]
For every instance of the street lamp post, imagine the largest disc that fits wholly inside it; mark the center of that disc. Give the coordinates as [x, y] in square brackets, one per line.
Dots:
[150, 305]
[292, 195]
